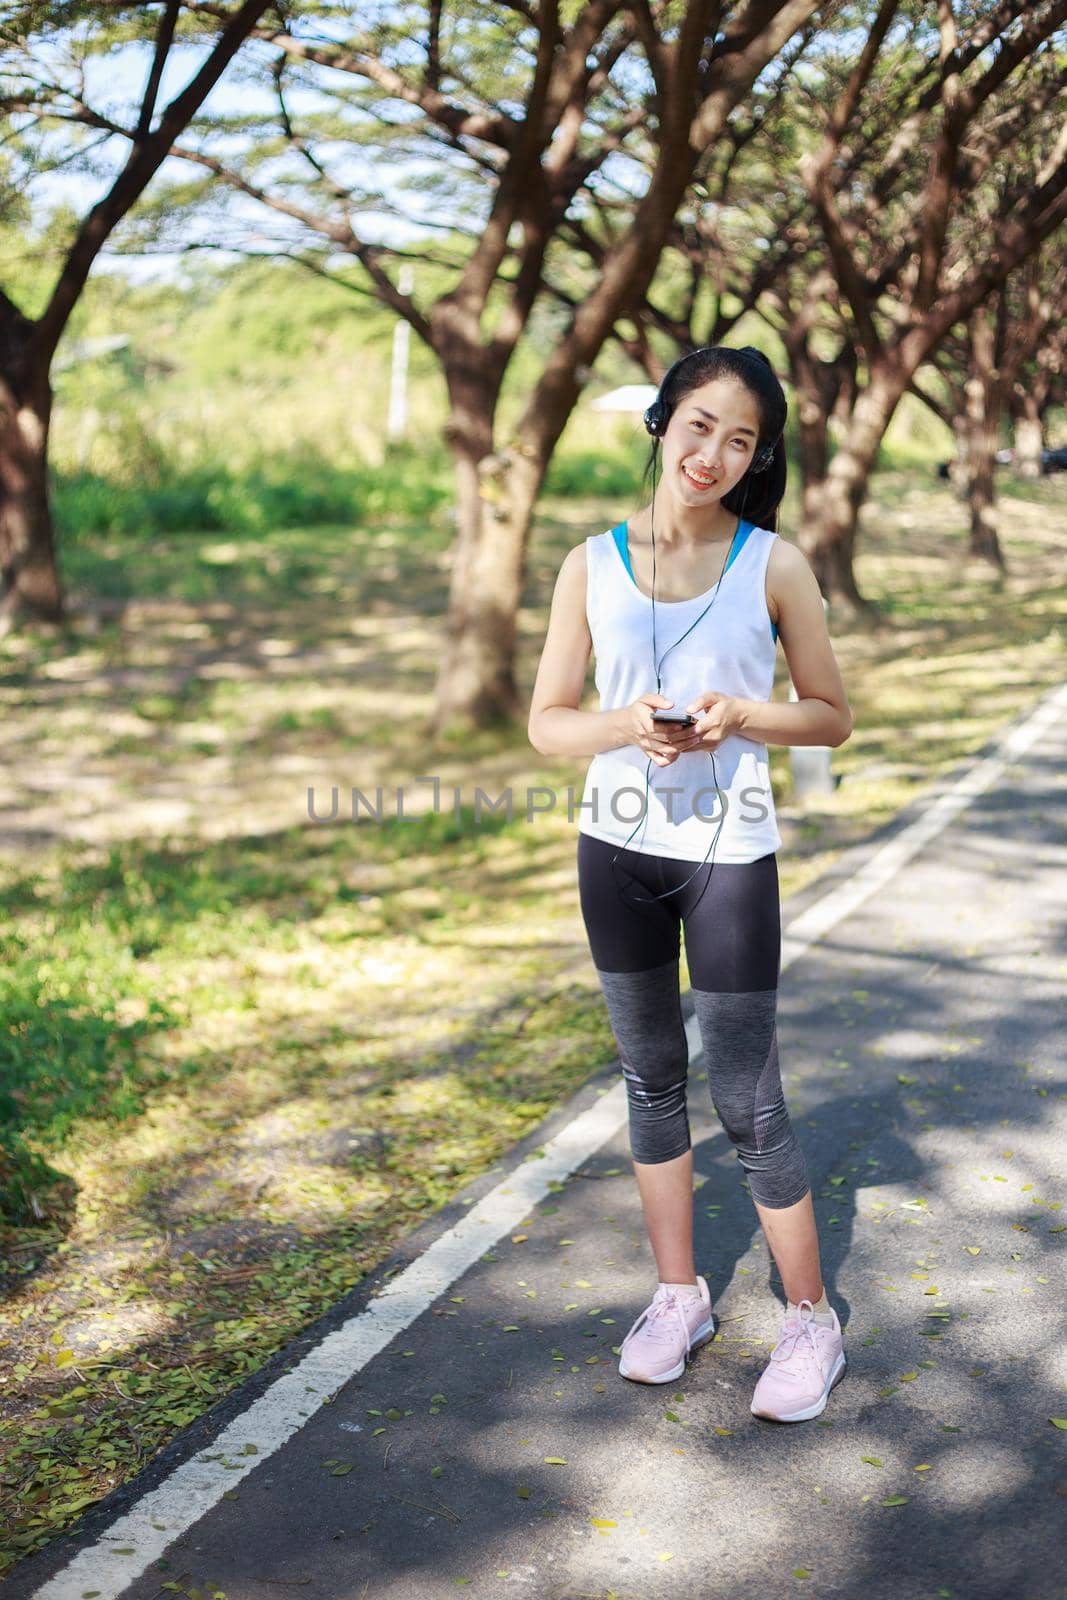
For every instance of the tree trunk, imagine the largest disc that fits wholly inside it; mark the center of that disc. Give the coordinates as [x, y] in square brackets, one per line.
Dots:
[1029, 439]
[958, 468]
[812, 433]
[814, 442]
[475, 684]
[828, 536]
[29, 581]
[983, 393]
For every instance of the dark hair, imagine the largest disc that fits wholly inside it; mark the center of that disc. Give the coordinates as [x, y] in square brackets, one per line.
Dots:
[759, 494]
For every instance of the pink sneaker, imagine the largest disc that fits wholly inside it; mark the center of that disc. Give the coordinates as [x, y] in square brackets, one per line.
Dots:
[658, 1345]
[805, 1364]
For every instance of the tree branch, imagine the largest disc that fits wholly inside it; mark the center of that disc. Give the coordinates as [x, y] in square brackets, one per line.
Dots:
[164, 39]
[144, 160]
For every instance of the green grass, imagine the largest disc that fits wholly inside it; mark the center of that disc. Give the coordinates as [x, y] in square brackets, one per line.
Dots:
[244, 1052]
[288, 492]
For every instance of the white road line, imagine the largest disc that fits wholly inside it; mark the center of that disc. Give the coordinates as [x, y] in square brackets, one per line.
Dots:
[197, 1485]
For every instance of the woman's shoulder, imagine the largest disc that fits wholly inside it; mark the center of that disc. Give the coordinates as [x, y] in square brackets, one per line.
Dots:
[786, 558]
[574, 568]
[578, 558]
[787, 567]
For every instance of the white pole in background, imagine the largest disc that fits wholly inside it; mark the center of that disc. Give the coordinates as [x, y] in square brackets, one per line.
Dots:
[398, 383]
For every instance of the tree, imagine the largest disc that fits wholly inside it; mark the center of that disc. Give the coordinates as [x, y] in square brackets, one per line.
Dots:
[41, 51]
[1039, 384]
[998, 354]
[883, 158]
[910, 262]
[747, 235]
[528, 114]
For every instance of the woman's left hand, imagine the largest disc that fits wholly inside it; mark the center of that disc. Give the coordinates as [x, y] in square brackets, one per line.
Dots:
[720, 719]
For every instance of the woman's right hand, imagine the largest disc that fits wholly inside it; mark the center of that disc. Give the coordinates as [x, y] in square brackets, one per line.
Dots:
[652, 737]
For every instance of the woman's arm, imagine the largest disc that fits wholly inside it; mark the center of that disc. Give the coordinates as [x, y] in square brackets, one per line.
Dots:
[821, 714]
[556, 727]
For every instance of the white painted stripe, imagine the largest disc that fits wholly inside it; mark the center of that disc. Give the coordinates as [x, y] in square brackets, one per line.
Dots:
[195, 1487]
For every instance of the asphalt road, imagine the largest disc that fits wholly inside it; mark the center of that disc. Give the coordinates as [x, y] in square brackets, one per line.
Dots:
[491, 1448]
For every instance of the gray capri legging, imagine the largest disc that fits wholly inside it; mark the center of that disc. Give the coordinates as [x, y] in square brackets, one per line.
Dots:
[731, 916]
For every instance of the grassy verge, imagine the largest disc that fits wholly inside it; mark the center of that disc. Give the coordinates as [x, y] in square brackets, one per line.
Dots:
[242, 1051]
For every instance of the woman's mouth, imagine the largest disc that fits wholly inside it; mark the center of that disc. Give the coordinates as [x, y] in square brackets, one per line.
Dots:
[700, 480]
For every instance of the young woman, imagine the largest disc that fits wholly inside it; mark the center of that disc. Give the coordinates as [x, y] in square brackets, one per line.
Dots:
[645, 598]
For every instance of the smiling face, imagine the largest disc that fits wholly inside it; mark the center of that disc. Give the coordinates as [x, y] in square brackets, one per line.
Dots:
[710, 441]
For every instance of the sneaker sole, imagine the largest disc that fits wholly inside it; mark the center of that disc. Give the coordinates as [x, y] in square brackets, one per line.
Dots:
[837, 1372]
[705, 1332]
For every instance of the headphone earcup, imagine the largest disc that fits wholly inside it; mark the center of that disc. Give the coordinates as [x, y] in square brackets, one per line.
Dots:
[656, 419]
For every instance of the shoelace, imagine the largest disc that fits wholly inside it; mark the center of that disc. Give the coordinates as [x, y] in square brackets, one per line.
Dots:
[663, 1304]
[789, 1345]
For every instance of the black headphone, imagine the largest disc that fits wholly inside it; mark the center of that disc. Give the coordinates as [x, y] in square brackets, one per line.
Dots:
[657, 416]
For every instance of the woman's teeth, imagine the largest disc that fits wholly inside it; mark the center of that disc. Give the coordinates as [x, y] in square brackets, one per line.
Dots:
[700, 481]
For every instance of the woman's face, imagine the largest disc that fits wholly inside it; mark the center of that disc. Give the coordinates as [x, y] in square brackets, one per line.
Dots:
[710, 441]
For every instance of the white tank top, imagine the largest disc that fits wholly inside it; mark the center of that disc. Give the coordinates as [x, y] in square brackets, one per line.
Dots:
[732, 649]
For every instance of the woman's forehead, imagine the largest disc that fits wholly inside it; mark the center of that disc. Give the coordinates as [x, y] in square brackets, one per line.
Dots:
[728, 399]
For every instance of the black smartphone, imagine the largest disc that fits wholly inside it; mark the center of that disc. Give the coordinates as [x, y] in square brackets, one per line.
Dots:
[683, 718]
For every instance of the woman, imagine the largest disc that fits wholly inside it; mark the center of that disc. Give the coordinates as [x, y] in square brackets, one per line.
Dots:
[642, 597]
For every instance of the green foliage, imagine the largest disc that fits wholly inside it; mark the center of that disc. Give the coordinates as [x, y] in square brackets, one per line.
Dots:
[588, 472]
[277, 494]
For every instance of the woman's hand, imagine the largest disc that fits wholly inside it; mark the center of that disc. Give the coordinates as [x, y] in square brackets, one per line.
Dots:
[721, 718]
[656, 739]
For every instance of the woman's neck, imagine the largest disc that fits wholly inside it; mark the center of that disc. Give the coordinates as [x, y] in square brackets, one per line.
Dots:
[676, 528]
